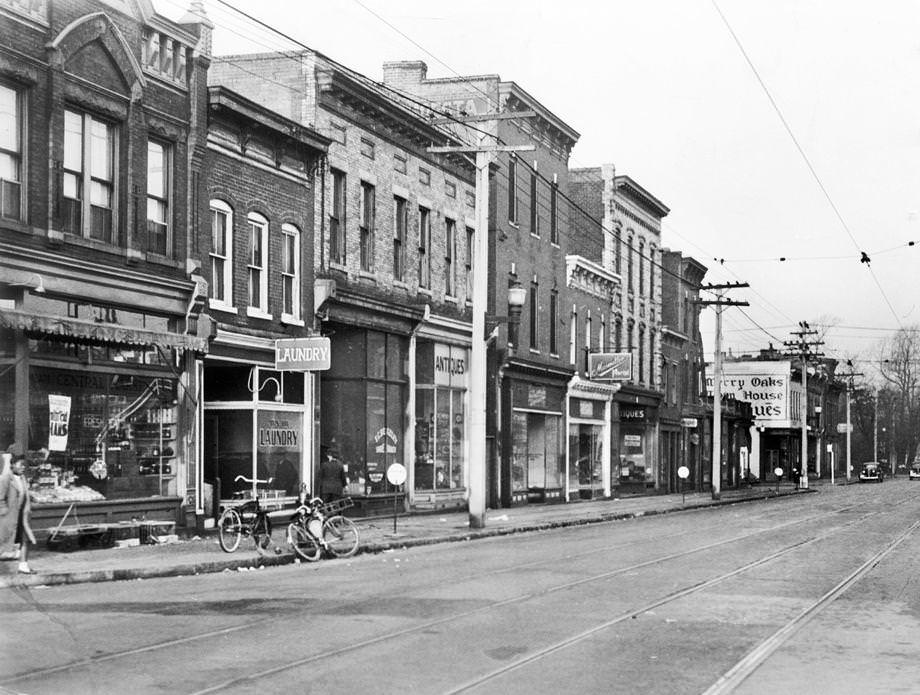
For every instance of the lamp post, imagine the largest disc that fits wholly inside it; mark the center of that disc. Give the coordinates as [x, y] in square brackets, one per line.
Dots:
[517, 295]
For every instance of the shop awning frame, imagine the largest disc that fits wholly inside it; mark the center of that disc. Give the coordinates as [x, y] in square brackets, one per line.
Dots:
[98, 333]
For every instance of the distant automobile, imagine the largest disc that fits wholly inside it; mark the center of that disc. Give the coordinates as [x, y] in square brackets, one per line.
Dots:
[871, 472]
[914, 472]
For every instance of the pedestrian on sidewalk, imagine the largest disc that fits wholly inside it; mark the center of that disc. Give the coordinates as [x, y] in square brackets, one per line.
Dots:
[15, 512]
[332, 477]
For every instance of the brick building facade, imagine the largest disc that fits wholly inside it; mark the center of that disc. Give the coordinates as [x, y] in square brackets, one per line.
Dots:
[256, 250]
[102, 110]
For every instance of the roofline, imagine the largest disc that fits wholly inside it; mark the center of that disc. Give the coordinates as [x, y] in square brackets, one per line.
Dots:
[654, 203]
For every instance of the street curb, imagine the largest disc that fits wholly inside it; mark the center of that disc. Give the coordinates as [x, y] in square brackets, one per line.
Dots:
[376, 547]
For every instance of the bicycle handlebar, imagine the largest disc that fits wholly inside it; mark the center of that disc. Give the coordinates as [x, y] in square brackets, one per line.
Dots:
[252, 480]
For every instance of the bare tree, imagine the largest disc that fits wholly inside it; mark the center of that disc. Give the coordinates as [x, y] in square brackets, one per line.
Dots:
[899, 370]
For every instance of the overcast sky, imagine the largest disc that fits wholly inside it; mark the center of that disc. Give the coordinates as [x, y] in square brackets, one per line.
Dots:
[662, 89]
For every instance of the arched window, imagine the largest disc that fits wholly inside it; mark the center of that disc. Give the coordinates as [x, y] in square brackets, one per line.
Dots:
[257, 264]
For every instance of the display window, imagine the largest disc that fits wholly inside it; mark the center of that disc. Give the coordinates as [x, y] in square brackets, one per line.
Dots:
[363, 406]
[586, 442]
[439, 439]
[635, 465]
[537, 460]
[101, 435]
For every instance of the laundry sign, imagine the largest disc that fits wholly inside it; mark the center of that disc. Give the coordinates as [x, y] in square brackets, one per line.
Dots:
[312, 354]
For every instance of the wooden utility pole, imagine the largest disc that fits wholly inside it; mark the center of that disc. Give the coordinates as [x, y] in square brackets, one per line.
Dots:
[476, 446]
[849, 376]
[804, 348]
[716, 448]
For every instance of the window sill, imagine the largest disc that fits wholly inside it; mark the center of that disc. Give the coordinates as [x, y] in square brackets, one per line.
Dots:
[256, 313]
[514, 224]
[367, 275]
[289, 320]
[534, 235]
[220, 306]
[451, 298]
[425, 291]
[401, 285]
[335, 265]
[534, 351]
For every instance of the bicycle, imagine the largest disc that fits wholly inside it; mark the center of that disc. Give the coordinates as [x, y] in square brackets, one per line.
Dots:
[245, 519]
[319, 526]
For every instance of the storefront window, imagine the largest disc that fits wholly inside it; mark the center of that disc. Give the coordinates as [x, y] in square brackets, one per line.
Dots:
[228, 451]
[363, 397]
[109, 436]
[585, 459]
[635, 466]
[439, 425]
[536, 457]
[279, 450]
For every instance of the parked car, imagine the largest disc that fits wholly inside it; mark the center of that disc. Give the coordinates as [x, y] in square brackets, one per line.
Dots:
[871, 472]
[914, 472]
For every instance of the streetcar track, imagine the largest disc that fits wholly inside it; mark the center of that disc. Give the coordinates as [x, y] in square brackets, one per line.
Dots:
[102, 658]
[673, 596]
[757, 656]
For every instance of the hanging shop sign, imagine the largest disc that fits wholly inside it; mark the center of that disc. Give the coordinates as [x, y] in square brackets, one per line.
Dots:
[610, 366]
[303, 354]
[690, 422]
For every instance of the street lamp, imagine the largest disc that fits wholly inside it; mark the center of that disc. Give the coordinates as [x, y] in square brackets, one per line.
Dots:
[517, 295]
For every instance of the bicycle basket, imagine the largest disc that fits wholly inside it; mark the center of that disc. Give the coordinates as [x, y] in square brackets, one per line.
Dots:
[336, 506]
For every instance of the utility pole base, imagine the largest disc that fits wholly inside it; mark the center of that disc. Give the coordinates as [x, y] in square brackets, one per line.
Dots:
[477, 520]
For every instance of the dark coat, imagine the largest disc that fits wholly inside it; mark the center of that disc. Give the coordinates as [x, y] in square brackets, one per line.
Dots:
[332, 478]
[11, 500]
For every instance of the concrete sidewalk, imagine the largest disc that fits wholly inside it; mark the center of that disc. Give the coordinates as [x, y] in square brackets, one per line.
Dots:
[200, 555]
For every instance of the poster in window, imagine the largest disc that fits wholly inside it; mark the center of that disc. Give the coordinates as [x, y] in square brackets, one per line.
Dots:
[59, 421]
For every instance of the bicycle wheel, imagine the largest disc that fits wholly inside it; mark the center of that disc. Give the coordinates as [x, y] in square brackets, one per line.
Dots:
[229, 530]
[340, 535]
[262, 532]
[303, 542]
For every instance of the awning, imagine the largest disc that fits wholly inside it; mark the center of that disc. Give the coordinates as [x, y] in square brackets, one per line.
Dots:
[97, 333]
[592, 389]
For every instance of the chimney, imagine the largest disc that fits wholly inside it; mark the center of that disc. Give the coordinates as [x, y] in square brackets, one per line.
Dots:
[404, 74]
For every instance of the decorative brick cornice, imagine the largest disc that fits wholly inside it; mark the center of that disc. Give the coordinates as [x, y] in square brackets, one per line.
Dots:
[590, 277]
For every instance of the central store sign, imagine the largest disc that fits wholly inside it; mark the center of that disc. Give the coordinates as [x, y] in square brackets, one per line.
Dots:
[450, 365]
[303, 354]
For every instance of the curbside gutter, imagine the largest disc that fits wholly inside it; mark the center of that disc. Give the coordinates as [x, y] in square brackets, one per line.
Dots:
[44, 579]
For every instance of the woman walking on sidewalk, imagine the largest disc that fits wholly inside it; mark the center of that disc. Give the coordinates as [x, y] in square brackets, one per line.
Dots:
[14, 514]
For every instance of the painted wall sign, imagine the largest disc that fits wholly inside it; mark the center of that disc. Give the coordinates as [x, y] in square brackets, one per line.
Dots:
[303, 354]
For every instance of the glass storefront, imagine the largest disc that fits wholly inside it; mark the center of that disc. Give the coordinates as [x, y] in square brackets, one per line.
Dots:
[254, 426]
[363, 405]
[634, 460]
[586, 444]
[440, 417]
[537, 459]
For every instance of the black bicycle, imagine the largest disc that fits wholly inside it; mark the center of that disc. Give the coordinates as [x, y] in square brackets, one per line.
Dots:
[318, 526]
[245, 519]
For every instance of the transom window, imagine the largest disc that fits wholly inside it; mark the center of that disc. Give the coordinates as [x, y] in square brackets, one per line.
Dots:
[159, 169]
[221, 254]
[290, 272]
[257, 263]
[88, 183]
[11, 125]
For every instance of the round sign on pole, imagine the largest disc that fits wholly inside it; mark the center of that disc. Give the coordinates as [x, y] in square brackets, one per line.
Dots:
[396, 474]
[778, 471]
[683, 472]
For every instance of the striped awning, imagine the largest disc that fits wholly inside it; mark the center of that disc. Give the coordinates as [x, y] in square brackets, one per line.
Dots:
[97, 333]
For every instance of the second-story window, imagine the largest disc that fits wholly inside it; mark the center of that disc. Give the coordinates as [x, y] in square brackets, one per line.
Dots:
[651, 272]
[450, 255]
[88, 183]
[512, 190]
[534, 213]
[367, 215]
[618, 256]
[258, 263]
[553, 319]
[641, 267]
[629, 264]
[424, 247]
[159, 237]
[337, 218]
[400, 229]
[11, 132]
[470, 252]
[553, 221]
[641, 374]
[534, 316]
[290, 272]
[221, 254]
